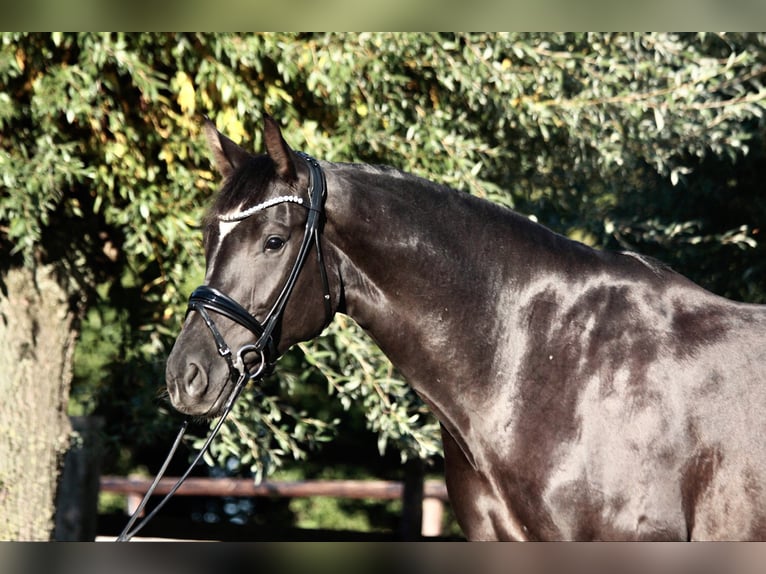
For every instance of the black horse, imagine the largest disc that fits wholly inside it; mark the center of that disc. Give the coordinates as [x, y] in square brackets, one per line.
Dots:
[582, 394]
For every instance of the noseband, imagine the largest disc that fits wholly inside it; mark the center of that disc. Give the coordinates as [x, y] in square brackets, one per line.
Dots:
[205, 299]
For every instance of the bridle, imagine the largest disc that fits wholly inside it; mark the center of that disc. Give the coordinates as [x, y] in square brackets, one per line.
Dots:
[206, 300]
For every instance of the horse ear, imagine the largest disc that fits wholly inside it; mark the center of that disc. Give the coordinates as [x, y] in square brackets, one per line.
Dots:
[228, 156]
[278, 150]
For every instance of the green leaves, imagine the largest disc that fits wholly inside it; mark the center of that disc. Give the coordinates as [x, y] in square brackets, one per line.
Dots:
[361, 377]
[263, 433]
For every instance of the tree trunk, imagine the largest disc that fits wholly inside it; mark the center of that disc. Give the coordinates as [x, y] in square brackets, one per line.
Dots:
[36, 351]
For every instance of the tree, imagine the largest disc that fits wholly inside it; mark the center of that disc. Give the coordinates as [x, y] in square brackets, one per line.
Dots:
[646, 141]
[64, 212]
[36, 363]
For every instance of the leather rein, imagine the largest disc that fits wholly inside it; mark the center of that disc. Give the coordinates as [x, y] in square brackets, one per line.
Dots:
[206, 300]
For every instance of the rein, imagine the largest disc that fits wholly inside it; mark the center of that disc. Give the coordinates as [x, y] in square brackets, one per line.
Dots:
[205, 299]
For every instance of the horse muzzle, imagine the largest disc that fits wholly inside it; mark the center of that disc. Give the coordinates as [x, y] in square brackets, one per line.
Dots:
[199, 387]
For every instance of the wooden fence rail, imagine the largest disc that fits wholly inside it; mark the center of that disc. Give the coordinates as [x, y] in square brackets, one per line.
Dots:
[431, 498]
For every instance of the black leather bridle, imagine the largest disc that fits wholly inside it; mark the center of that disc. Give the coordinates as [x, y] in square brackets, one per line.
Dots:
[205, 299]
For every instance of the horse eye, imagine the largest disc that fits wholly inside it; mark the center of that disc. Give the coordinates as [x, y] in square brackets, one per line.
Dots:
[273, 243]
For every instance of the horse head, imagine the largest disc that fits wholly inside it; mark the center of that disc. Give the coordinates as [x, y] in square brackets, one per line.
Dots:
[262, 290]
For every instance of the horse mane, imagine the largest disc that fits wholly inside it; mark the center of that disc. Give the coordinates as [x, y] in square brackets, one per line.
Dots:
[655, 265]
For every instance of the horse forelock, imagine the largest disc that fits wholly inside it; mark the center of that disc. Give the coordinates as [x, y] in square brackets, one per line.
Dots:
[245, 187]
[248, 185]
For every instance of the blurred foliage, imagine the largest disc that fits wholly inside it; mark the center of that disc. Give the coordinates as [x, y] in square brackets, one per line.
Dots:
[389, 15]
[653, 142]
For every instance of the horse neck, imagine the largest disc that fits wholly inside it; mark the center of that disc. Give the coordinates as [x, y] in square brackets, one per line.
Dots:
[435, 276]
[420, 272]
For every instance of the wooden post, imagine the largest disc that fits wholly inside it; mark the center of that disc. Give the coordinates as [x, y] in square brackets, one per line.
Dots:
[412, 500]
[433, 515]
[77, 497]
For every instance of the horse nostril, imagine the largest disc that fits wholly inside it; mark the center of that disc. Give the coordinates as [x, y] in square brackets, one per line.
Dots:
[195, 380]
